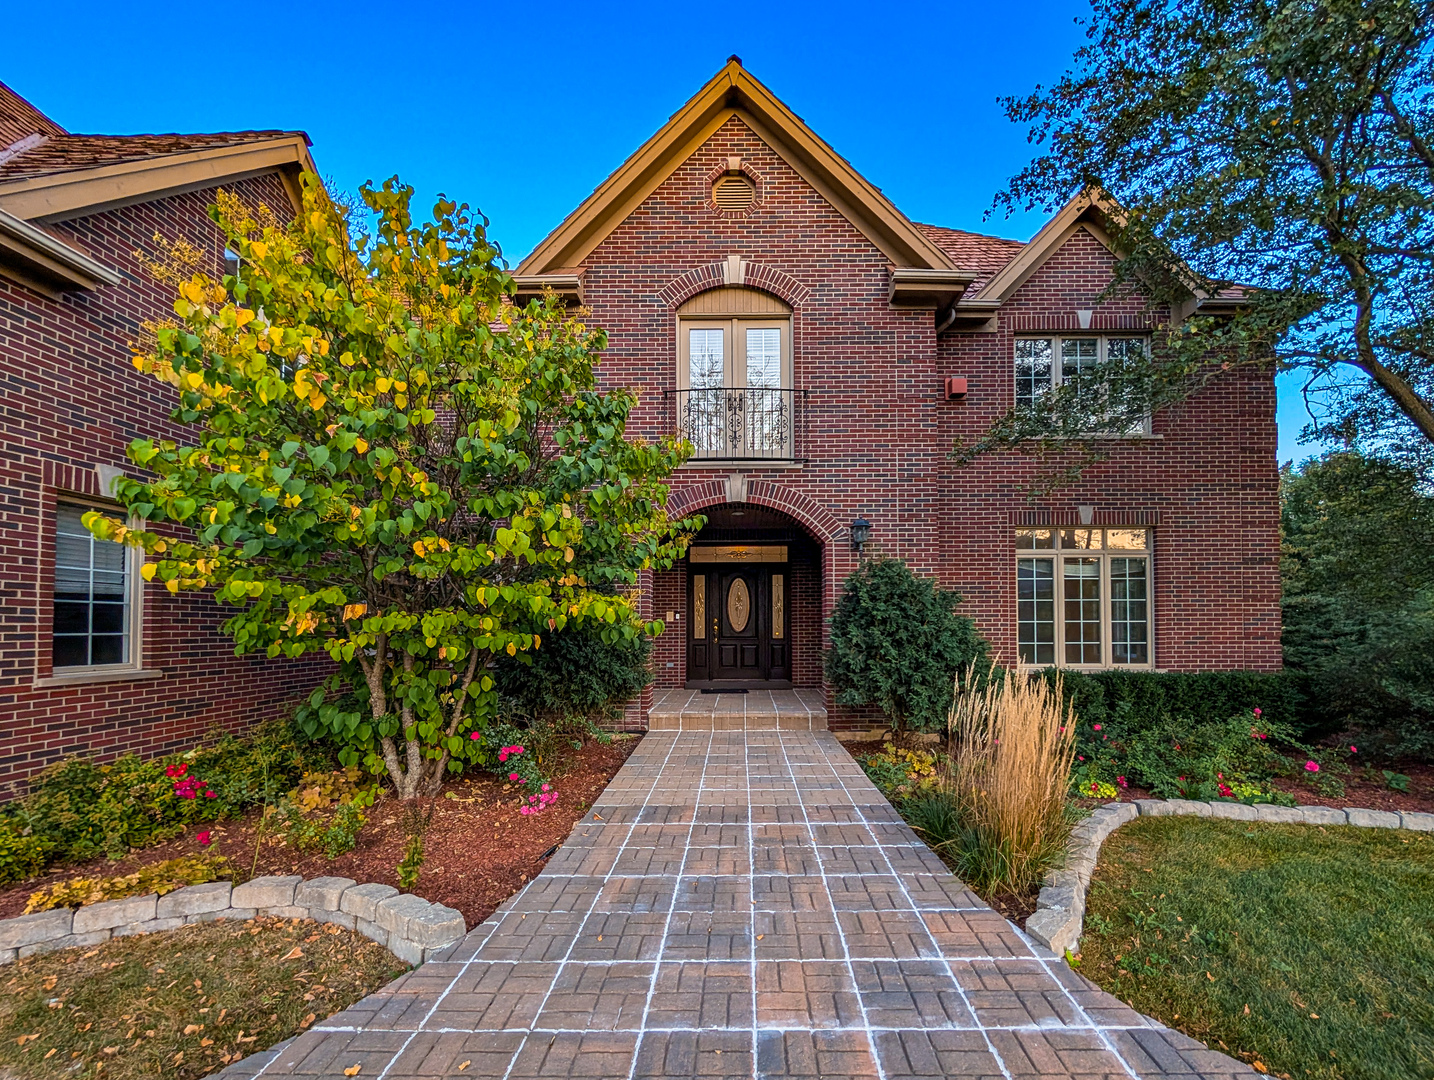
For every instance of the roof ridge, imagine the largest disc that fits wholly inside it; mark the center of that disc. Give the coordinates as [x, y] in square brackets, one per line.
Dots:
[178, 134]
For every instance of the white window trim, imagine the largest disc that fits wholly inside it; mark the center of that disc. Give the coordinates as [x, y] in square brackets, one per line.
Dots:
[134, 667]
[1057, 379]
[1106, 637]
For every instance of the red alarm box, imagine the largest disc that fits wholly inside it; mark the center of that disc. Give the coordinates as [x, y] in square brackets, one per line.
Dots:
[955, 387]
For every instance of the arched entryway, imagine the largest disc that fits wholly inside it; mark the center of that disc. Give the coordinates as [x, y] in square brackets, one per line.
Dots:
[753, 602]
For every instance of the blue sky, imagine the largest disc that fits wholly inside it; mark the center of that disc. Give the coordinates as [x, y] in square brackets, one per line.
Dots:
[521, 110]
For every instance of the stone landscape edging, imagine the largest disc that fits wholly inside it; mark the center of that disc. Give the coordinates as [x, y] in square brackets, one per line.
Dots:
[1060, 909]
[411, 928]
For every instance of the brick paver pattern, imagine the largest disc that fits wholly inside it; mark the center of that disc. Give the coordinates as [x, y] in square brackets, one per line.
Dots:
[738, 904]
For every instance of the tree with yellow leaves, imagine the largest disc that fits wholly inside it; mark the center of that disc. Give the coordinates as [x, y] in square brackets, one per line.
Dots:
[396, 465]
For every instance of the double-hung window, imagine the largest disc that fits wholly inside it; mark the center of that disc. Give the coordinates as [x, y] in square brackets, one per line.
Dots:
[1045, 362]
[95, 605]
[1083, 597]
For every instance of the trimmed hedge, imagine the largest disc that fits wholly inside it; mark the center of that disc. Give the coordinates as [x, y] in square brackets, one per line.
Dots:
[1138, 699]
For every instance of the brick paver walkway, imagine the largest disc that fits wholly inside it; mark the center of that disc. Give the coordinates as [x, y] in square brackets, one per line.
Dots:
[743, 903]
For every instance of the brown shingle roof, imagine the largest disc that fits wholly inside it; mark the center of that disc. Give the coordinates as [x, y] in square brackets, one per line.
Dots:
[62, 153]
[985, 255]
[57, 150]
[19, 118]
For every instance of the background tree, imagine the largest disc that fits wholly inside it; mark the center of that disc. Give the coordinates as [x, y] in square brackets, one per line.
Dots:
[897, 643]
[394, 466]
[1358, 570]
[1288, 147]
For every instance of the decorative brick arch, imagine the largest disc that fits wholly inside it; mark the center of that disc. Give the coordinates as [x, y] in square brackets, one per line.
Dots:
[820, 522]
[735, 270]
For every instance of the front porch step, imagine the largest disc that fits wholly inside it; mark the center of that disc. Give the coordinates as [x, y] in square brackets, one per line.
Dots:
[756, 710]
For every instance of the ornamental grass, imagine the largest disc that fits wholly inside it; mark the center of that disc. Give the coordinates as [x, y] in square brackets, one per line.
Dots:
[1013, 744]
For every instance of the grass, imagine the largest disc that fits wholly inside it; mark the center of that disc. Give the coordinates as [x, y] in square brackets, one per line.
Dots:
[182, 1003]
[1308, 950]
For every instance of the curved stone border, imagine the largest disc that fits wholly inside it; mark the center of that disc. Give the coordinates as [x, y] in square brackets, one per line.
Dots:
[1060, 908]
[408, 926]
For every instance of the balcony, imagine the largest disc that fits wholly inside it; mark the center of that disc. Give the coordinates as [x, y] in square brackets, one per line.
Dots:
[740, 423]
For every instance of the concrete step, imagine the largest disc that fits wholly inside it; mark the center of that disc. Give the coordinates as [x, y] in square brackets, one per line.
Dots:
[756, 710]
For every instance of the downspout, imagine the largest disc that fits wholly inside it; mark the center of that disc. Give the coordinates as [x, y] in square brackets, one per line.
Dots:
[946, 322]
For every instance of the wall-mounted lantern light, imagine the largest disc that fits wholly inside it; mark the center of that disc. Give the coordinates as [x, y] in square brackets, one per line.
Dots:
[860, 534]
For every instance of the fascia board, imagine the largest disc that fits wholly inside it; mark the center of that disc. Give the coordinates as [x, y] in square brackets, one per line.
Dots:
[73, 193]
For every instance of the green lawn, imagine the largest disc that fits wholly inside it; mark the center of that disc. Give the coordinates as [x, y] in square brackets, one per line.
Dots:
[1309, 950]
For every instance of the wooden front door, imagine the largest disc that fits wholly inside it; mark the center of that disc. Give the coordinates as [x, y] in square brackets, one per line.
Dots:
[739, 629]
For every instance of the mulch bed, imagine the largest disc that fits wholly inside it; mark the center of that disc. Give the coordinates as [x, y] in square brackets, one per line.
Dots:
[1366, 787]
[479, 849]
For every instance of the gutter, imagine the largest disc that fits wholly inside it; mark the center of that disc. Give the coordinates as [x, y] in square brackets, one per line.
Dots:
[38, 255]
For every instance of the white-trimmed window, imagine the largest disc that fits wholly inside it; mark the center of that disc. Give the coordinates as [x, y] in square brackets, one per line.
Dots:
[1083, 597]
[1058, 360]
[96, 605]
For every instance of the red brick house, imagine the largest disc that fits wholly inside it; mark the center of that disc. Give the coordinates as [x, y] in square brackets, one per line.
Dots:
[823, 353]
[92, 660]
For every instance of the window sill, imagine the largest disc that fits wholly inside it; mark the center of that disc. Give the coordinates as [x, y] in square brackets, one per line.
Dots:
[1101, 436]
[746, 464]
[81, 677]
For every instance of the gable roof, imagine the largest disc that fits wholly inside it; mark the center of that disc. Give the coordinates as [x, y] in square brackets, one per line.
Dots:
[66, 152]
[735, 92]
[48, 174]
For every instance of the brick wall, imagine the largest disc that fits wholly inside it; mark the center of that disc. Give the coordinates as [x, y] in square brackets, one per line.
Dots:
[878, 432]
[69, 400]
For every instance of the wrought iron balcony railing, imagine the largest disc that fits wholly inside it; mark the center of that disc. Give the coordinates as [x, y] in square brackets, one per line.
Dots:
[740, 423]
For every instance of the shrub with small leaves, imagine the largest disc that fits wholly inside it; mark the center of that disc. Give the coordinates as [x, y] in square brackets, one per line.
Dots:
[161, 878]
[22, 854]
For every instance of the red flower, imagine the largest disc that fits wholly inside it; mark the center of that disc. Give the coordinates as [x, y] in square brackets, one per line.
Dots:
[203, 838]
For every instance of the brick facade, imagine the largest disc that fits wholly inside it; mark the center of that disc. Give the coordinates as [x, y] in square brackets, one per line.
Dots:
[877, 432]
[70, 400]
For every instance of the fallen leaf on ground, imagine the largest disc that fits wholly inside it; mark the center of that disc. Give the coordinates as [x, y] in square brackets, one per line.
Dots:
[352, 1070]
[292, 954]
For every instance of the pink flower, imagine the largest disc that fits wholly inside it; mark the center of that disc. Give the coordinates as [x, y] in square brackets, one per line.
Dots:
[203, 838]
[1096, 726]
[1225, 791]
[545, 787]
[1121, 781]
[502, 755]
[474, 735]
[512, 776]
[526, 810]
[1258, 712]
[209, 795]
[1079, 758]
[1352, 750]
[1311, 766]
